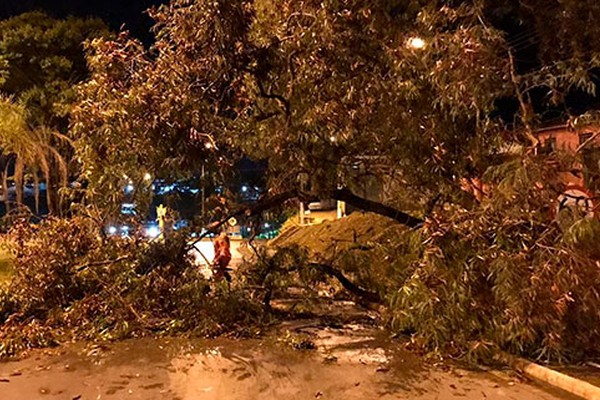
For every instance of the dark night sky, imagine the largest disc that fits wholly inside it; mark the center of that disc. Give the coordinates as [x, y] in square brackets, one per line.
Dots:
[114, 12]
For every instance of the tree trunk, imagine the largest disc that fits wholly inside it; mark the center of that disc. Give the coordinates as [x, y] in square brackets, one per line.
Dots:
[343, 194]
[49, 191]
[36, 192]
[350, 286]
[347, 196]
[18, 178]
[5, 188]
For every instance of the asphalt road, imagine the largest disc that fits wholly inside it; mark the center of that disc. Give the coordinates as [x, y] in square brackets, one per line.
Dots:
[349, 363]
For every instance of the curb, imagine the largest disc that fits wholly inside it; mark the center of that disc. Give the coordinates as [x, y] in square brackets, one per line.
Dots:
[548, 376]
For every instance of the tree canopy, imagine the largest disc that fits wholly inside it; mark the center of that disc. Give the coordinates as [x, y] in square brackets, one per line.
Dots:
[430, 96]
[41, 60]
[316, 87]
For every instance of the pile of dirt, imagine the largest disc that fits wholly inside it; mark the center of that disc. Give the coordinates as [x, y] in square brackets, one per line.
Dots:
[357, 228]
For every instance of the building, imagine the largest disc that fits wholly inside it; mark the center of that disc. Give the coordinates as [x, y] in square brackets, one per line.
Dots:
[583, 179]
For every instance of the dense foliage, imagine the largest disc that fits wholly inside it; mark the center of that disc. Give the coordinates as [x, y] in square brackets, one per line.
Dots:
[320, 85]
[42, 61]
[70, 282]
[504, 275]
[32, 153]
[317, 87]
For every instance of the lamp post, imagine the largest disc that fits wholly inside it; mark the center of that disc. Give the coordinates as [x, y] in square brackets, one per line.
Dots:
[203, 192]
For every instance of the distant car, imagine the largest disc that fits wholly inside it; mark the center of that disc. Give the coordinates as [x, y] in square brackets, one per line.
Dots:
[128, 209]
[149, 229]
[322, 205]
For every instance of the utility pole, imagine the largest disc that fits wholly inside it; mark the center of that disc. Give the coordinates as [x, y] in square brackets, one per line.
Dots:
[303, 183]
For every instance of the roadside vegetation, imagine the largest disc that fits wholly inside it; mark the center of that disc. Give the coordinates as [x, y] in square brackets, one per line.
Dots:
[70, 283]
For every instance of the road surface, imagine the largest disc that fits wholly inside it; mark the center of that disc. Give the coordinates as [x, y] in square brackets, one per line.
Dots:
[204, 253]
[350, 363]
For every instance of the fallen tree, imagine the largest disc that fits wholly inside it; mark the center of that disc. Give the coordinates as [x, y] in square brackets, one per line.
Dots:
[346, 195]
[501, 276]
[350, 286]
[69, 284]
[270, 202]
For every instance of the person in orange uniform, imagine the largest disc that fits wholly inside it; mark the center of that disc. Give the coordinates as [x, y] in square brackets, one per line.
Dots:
[222, 256]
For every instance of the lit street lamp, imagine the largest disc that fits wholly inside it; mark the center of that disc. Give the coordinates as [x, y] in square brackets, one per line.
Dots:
[416, 43]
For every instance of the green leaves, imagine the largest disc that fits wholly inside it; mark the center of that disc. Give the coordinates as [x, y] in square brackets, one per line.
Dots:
[309, 86]
[503, 275]
[71, 282]
[31, 149]
[42, 58]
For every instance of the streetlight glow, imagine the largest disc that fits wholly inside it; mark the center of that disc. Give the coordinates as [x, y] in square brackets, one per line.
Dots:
[152, 231]
[416, 43]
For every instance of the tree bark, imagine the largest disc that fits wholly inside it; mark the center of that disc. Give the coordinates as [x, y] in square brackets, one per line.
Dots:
[347, 196]
[36, 192]
[18, 178]
[5, 188]
[49, 192]
[343, 194]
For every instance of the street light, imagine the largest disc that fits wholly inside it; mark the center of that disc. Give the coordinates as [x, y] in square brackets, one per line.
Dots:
[416, 43]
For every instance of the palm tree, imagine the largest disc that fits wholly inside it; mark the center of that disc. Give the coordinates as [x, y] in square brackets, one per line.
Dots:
[30, 151]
